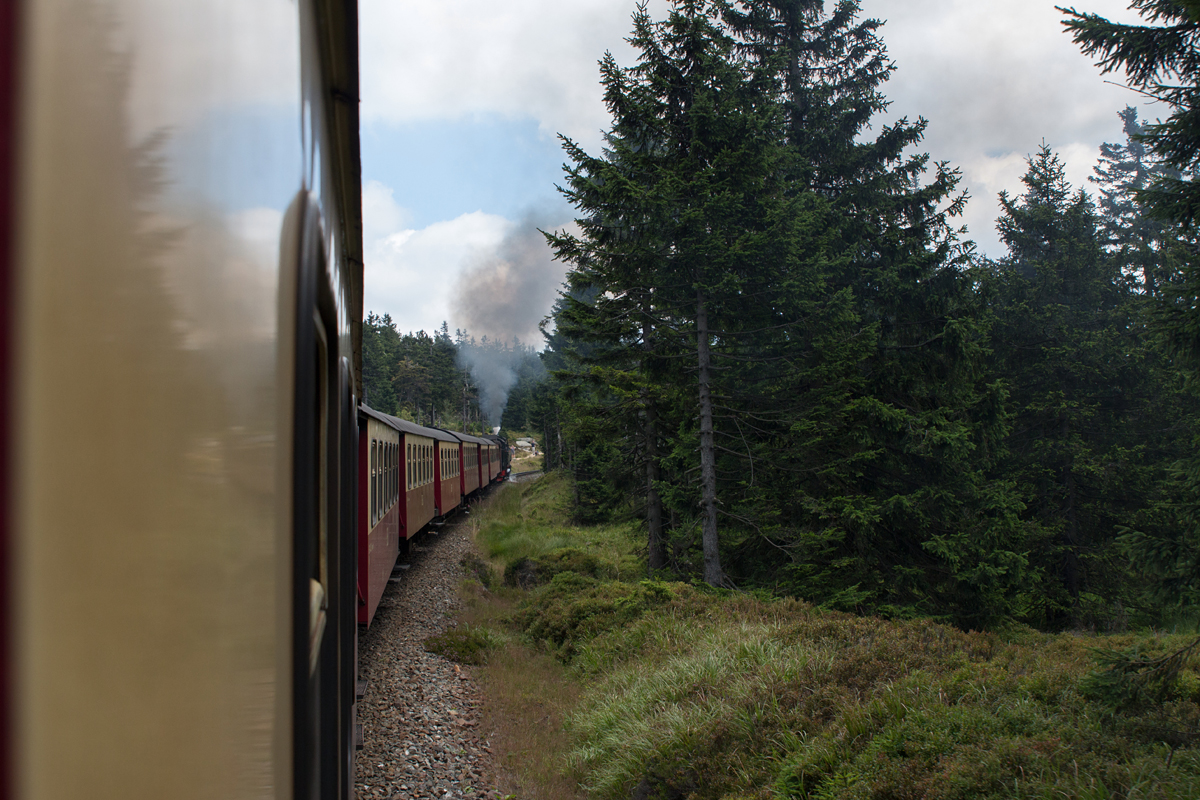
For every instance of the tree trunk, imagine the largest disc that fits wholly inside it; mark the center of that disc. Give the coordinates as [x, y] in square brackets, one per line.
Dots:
[713, 575]
[654, 512]
[1071, 532]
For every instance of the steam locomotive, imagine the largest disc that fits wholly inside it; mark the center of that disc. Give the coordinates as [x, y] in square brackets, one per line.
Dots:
[180, 341]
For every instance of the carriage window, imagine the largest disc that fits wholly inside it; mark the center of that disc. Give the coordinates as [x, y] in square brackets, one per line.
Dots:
[371, 487]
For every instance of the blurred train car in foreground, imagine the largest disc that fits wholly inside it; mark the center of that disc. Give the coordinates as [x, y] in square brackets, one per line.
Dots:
[180, 299]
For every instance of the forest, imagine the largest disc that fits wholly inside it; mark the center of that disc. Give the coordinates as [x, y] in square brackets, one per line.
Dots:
[776, 349]
[454, 382]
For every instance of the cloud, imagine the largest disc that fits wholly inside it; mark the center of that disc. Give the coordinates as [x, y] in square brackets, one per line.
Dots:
[480, 272]
[520, 58]
[995, 80]
[411, 273]
[382, 216]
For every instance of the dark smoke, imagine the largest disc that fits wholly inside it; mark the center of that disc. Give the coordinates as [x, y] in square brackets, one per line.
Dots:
[504, 296]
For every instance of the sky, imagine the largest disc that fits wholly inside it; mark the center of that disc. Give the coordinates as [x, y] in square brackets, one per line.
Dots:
[463, 101]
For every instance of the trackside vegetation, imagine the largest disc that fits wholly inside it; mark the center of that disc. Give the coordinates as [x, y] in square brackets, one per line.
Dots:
[678, 690]
[777, 349]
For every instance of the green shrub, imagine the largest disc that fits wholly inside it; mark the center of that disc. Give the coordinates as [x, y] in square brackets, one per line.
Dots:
[572, 609]
[691, 693]
[464, 645]
[530, 572]
[477, 569]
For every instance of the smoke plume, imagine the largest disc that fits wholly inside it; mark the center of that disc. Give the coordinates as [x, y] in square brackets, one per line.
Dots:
[494, 370]
[501, 298]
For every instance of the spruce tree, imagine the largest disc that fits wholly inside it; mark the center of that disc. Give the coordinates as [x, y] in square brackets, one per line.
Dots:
[1066, 345]
[687, 230]
[1123, 171]
[885, 500]
[1162, 59]
[827, 303]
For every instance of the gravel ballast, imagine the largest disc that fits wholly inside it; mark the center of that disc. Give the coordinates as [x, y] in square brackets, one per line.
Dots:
[420, 714]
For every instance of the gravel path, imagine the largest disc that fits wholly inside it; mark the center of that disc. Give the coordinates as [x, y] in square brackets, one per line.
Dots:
[420, 715]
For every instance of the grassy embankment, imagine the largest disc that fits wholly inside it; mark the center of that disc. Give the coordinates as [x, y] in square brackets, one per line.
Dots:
[603, 685]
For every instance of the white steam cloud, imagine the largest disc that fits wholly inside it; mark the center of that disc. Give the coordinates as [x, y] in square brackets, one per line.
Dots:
[495, 372]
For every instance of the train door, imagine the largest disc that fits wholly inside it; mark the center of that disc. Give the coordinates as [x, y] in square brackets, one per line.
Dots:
[323, 564]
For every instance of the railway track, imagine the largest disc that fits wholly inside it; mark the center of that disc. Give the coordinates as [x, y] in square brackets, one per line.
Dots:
[423, 730]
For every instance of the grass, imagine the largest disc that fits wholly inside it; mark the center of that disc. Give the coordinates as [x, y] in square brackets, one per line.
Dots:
[465, 644]
[612, 687]
[524, 462]
[530, 522]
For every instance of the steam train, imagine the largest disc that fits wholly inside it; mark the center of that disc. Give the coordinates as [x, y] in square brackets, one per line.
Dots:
[181, 506]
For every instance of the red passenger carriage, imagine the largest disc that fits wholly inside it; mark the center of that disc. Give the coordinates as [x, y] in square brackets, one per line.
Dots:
[448, 480]
[470, 478]
[379, 507]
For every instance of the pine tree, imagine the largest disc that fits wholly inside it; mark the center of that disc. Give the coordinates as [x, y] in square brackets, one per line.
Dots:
[1137, 240]
[1163, 61]
[380, 343]
[686, 218]
[1066, 344]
